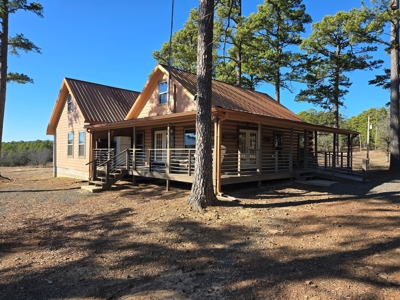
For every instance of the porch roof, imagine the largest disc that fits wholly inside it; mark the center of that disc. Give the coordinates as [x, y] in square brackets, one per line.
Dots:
[219, 113]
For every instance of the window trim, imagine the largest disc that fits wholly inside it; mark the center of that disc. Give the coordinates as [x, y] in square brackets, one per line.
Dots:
[161, 94]
[69, 102]
[70, 153]
[81, 144]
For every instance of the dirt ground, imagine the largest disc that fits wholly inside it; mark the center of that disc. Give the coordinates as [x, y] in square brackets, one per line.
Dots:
[283, 241]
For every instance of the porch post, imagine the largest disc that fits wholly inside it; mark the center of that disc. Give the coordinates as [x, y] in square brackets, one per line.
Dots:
[259, 156]
[215, 155]
[219, 138]
[134, 155]
[291, 152]
[305, 149]
[91, 153]
[334, 153]
[349, 150]
[108, 143]
[316, 148]
[168, 155]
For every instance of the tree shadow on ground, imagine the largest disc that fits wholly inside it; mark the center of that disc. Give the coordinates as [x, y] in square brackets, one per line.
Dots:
[193, 259]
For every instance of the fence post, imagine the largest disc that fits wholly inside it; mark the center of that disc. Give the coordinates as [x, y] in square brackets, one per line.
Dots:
[127, 159]
[364, 169]
[326, 159]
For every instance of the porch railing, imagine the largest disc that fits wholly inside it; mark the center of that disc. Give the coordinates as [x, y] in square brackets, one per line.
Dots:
[235, 162]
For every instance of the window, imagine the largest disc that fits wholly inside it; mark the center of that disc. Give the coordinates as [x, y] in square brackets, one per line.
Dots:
[81, 149]
[190, 138]
[278, 141]
[69, 102]
[70, 144]
[163, 92]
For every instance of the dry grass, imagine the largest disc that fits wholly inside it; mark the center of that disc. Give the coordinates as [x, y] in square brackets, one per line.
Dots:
[285, 241]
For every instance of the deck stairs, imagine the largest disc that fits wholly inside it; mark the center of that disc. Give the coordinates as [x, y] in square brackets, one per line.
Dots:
[107, 173]
[304, 175]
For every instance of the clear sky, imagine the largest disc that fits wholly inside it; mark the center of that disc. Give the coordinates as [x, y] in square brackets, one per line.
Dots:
[110, 42]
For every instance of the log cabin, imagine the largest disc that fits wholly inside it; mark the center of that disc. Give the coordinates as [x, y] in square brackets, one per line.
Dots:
[255, 138]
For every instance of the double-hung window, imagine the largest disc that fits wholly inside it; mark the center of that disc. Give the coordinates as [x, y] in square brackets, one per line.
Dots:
[163, 92]
[70, 151]
[81, 147]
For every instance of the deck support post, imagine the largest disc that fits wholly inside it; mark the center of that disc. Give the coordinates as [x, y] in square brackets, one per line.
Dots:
[109, 143]
[349, 151]
[259, 156]
[215, 155]
[316, 148]
[334, 153]
[305, 150]
[291, 152]
[168, 155]
[133, 167]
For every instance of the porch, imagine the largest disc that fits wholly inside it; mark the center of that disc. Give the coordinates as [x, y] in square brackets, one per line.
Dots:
[237, 165]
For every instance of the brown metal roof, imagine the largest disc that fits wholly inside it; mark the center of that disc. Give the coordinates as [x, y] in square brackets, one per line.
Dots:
[101, 103]
[237, 99]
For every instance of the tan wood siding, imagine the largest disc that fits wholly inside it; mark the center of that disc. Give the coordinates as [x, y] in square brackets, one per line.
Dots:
[179, 101]
[73, 166]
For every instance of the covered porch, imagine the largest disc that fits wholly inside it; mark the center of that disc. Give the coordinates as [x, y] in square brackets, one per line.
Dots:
[264, 149]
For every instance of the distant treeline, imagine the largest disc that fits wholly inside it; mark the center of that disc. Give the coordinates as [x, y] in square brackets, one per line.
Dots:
[35, 153]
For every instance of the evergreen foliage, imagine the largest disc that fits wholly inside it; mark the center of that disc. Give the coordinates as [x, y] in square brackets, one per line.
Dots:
[23, 153]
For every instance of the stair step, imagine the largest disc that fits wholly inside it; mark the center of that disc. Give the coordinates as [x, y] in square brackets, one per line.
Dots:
[96, 182]
[92, 188]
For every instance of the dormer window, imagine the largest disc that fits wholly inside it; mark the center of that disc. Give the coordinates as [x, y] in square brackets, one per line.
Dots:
[69, 102]
[163, 92]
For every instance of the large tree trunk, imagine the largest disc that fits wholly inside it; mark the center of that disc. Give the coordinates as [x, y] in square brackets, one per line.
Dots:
[3, 64]
[394, 97]
[202, 193]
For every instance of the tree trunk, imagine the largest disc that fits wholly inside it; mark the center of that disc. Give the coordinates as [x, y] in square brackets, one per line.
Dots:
[394, 97]
[202, 193]
[3, 64]
[239, 51]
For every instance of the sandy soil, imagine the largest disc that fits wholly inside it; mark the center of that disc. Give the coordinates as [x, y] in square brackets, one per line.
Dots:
[283, 241]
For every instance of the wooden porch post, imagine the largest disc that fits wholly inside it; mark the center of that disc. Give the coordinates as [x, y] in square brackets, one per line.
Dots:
[259, 156]
[168, 155]
[305, 149]
[348, 150]
[134, 155]
[334, 153]
[316, 148]
[91, 143]
[108, 143]
[215, 155]
[291, 152]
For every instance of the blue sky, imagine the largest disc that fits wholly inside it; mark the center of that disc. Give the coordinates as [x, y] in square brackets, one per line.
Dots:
[111, 44]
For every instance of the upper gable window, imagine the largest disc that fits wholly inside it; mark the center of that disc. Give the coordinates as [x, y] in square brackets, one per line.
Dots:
[163, 92]
[69, 102]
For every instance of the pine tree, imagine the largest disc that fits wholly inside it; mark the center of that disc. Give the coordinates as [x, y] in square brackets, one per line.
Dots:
[202, 193]
[275, 28]
[12, 45]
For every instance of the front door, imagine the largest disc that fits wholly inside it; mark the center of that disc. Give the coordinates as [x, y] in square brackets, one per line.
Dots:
[160, 145]
[247, 148]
